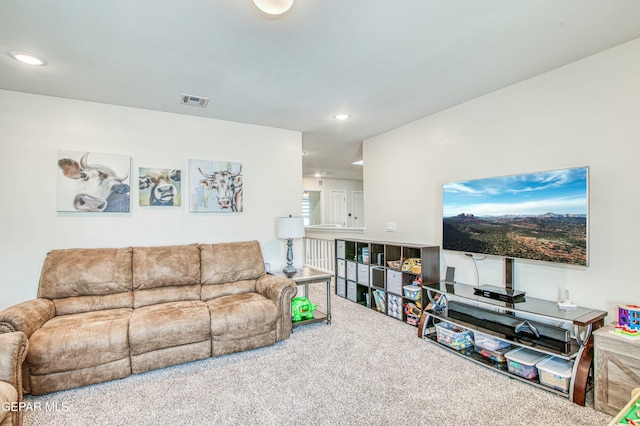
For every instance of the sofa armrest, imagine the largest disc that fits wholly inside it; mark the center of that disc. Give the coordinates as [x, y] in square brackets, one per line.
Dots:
[13, 351]
[281, 290]
[8, 399]
[27, 316]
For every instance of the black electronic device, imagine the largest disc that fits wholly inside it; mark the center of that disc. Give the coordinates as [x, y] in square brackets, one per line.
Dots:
[499, 293]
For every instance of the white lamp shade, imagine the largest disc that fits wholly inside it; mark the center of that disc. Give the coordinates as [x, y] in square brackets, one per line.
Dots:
[290, 227]
[274, 7]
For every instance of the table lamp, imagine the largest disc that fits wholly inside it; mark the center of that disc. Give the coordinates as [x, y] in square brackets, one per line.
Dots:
[290, 228]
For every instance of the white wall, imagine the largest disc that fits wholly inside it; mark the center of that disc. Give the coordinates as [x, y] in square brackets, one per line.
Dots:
[34, 127]
[583, 114]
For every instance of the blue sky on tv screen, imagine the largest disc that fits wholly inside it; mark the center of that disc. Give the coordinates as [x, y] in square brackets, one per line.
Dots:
[557, 191]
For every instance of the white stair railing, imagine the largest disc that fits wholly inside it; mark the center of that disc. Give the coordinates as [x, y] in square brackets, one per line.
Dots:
[319, 254]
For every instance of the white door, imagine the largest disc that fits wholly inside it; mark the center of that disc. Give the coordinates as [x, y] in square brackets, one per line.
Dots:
[339, 207]
[357, 210]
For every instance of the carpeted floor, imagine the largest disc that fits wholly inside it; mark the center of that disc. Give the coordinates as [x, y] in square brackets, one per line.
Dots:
[363, 369]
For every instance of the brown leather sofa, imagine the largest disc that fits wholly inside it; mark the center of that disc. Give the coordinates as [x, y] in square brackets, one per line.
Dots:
[13, 349]
[105, 313]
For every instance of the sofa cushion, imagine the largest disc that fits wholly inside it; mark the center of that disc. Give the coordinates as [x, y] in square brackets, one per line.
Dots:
[230, 262]
[77, 341]
[99, 278]
[241, 316]
[166, 274]
[168, 324]
[217, 290]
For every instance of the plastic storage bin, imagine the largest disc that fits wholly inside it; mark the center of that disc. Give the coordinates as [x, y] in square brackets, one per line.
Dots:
[487, 342]
[523, 362]
[555, 373]
[412, 292]
[454, 337]
[496, 356]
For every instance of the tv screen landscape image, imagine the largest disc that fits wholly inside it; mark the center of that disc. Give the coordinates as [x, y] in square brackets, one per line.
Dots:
[538, 216]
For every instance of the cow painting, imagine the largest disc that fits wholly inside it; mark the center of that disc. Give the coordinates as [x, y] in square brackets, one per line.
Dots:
[92, 182]
[216, 186]
[159, 187]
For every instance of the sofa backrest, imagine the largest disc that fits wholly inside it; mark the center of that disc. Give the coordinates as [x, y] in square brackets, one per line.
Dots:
[230, 268]
[165, 274]
[82, 280]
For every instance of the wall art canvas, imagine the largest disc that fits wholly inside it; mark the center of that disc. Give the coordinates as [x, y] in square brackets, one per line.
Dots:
[215, 186]
[159, 187]
[93, 182]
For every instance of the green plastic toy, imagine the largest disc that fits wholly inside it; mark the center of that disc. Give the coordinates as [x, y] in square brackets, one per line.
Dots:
[302, 309]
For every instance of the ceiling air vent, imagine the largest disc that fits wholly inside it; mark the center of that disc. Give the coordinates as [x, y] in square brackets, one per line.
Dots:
[194, 100]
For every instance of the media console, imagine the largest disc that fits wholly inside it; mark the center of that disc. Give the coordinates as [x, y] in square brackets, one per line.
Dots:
[534, 324]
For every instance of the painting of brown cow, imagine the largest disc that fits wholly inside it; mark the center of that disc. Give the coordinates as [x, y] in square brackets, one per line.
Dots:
[93, 182]
[159, 187]
[215, 186]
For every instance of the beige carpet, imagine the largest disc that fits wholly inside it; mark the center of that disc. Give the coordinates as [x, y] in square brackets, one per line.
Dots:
[363, 369]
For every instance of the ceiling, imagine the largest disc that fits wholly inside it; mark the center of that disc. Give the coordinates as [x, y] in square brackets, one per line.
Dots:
[386, 63]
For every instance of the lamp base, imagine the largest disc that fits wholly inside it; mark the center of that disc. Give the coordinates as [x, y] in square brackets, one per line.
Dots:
[289, 270]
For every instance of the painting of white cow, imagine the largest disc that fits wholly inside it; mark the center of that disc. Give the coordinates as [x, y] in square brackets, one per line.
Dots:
[215, 186]
[93, 182]
[159, 187]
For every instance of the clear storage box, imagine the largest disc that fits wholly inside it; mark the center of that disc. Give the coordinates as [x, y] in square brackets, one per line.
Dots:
[412, 292]
[522, 361]
[496, 356]
[487, 342]
[453, 336]
[555, 373]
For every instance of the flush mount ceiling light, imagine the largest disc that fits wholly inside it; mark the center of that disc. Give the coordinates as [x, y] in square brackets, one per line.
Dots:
[274, 7]
[341, 116]
[27, 58]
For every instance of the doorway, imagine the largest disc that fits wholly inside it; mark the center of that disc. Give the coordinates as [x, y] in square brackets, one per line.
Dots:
[339, 207]
[357, 209]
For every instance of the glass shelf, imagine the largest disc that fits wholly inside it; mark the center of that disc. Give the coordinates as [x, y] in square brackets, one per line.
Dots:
[546, 309]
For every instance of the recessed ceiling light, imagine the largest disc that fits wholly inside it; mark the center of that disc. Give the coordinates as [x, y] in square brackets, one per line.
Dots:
[274, 7]
[27, 58]
[341, 116]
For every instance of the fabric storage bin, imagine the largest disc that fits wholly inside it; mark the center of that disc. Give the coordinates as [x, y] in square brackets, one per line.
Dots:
[394, 306]
[394, 282]
[341, 287]
[342, 268]
[487, 342]
[340, 252]
[555, 373]
[352, 270]
[363, 274]
[453, 336]
[351, 291]
[523, 362]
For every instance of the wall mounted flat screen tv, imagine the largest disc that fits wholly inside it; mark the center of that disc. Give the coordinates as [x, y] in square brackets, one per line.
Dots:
[538, 216]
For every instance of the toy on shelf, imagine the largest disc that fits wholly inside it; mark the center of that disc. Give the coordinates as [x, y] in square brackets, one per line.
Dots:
[413, 265]
[625, 331]
[302, 309]
[378, 297]
[413, 311]
[629, 316]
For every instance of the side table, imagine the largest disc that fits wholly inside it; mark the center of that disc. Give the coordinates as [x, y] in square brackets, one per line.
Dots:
[306, 276]
[617, 369]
